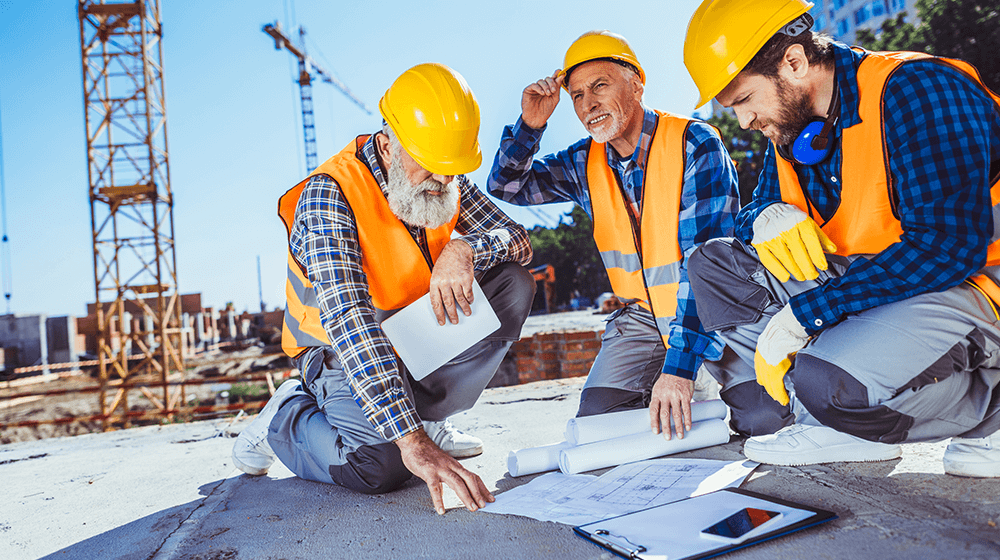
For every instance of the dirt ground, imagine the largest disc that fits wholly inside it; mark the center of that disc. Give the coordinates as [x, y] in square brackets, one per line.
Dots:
[204, 366]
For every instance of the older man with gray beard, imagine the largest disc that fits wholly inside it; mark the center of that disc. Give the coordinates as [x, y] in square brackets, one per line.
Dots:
[656, 186]
[387, 220]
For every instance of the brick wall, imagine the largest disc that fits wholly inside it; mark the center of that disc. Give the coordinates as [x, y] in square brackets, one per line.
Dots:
[553, 355]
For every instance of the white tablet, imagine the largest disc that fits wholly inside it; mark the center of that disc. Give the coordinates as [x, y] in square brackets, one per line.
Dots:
[424, 345]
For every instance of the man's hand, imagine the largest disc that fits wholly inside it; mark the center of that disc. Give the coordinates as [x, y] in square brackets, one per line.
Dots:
[539, 100]
[789, 243]
[782, 338]
[451, 281]
[671, 398]
[426, 460]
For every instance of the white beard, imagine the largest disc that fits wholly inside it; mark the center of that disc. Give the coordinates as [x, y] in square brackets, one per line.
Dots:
[411, 204]
[607, 130]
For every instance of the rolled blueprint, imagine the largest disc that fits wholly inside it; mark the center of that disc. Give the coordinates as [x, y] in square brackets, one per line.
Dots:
[535, 459]
[581, 431]
[639, 447]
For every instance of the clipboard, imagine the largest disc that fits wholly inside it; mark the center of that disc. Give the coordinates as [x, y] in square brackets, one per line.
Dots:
[424, 345]
[674, 531]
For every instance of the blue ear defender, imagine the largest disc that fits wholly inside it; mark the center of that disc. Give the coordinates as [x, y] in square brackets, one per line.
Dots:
[813, 145]
[810, 147]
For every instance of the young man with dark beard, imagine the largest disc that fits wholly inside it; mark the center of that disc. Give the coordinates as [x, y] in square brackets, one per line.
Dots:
[861, 289]
[369, 232]
[656, 185]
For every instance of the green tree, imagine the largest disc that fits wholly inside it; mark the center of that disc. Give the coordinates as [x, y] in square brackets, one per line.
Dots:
[965, 29]
[570, 249]
[746, 147]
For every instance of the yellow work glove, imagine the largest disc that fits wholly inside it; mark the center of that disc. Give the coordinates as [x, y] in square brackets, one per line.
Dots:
[789, 242]
[782, 338]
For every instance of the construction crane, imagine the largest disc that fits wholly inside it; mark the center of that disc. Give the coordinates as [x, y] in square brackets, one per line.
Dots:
[306, 66]
[137, 305]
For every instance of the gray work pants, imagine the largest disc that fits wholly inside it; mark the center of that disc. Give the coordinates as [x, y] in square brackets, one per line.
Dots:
[321, 434]
[630, 359]
[630, 362]
[921, 369]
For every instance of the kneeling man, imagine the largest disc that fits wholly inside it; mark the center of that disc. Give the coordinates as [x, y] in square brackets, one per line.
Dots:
[370, 231]
[862, 286]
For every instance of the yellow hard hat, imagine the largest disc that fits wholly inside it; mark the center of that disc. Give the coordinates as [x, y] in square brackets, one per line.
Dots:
[432, 111]
[598, 44]
[724, 35]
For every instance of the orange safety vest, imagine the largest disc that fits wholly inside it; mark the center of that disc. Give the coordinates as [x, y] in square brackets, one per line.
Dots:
[864, 223]
[643, 259]
[397, 271]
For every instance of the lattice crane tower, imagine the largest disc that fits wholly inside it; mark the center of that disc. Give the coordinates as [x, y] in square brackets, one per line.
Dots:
[131, 204]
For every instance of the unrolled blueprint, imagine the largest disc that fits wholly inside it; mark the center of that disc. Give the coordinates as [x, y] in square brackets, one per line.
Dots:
[578, 499]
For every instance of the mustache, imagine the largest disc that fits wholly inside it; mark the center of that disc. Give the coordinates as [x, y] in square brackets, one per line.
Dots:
[433, 185]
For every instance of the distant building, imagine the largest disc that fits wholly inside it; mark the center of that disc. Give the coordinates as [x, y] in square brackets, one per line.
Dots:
[842, 19]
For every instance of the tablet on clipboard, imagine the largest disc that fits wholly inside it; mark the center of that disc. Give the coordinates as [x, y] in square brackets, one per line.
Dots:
[424, 345]
[680, 530]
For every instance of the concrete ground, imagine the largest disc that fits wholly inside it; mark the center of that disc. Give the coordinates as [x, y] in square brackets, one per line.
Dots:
[171, 492]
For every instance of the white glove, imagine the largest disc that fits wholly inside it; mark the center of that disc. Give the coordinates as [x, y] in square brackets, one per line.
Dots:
[789, 243]
[782, 337]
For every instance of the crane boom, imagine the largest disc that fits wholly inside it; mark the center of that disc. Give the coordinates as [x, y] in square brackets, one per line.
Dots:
[307, 64]
[282, 40]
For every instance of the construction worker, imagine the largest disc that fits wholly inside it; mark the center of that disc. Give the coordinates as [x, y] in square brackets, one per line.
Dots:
[370, 231]
[861, 285]
[656, 185]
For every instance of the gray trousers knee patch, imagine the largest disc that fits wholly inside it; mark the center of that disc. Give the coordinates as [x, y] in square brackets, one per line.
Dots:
[372, 469]
[603, 400]
[754, 412]
[840, 401]
[719, 272]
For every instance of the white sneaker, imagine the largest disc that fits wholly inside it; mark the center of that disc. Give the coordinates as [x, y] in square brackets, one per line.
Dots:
[973, 457]
[453, 442]
[251, 452]
[809, 445]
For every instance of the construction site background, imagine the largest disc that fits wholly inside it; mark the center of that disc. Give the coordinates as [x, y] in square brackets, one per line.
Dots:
[234, 363]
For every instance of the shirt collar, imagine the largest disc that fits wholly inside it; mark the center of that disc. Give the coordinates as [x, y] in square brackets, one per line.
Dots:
[846, 62]
[638, 157]
[370, 159]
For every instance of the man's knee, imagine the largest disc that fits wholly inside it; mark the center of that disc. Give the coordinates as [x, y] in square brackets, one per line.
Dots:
[510, 289]
[753, 411]
[603, 400]
[372, 469]
[719, 272]
[838, 400]
[713, 257]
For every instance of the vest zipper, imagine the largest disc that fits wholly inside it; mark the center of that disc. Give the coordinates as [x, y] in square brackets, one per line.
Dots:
[424, 250]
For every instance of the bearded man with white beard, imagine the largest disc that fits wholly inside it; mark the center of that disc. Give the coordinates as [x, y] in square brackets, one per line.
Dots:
[656, 185]
[369, 232]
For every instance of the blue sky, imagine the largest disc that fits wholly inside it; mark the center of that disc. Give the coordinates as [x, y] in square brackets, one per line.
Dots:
[234, 129]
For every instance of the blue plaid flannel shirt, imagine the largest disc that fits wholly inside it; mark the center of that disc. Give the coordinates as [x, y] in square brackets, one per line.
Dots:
[709, 202]
[942, 132]
[325, 239]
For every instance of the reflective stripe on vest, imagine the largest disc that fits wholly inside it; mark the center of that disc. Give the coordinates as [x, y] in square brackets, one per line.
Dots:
[643, 265]
[395, 267]
[864, 223]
